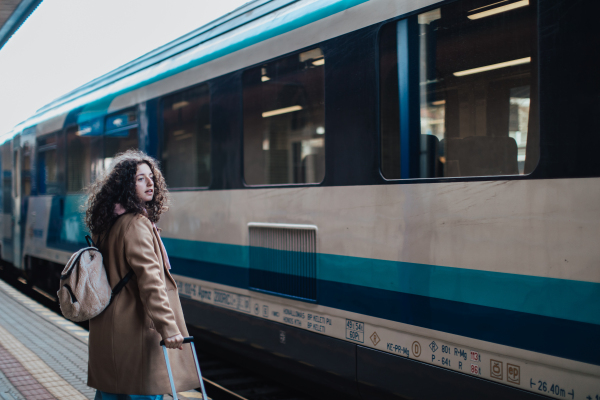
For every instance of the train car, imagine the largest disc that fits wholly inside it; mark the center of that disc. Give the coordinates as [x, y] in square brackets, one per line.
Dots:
[370, 198]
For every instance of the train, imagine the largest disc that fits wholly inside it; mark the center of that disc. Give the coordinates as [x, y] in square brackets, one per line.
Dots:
[371, 199]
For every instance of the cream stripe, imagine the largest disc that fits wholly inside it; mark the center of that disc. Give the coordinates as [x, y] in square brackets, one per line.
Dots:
[45, 375]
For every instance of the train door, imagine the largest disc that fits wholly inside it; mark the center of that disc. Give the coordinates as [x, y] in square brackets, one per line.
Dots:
[16, 197]
[23, 153]
[6, 235]
[7, 204]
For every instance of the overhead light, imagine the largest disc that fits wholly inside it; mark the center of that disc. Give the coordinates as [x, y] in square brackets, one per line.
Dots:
[494, 66]
[436, 121]
[307, 55]
[281, 111]
[488, 5]
[265, 78]
[180, 104]
[187, 136]
[430, 16]
[320, 130]
[499, 10]
[319, 62]
[320, 142]
[438, 103]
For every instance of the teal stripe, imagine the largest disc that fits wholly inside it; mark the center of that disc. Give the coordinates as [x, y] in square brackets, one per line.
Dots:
[557, 298]
[286, 23]
[218, 253]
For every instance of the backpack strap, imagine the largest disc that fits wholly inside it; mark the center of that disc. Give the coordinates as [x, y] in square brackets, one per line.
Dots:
[120, 285]
[128, 276]
[89, 241]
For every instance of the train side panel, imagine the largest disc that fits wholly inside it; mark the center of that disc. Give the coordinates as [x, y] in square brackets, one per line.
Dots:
[488, 284]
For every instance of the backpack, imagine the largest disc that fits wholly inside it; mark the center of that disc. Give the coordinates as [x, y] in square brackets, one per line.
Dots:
[84, 288]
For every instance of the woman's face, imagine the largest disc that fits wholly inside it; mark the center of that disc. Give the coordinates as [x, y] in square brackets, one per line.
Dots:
[144, 183]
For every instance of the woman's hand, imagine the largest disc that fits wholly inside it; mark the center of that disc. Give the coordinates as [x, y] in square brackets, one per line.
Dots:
[174, 342]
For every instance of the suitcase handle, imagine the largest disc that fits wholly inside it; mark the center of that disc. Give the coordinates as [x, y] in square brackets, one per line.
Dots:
[188, 339]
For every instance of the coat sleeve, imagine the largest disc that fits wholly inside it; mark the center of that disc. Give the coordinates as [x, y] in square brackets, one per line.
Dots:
[139, 252]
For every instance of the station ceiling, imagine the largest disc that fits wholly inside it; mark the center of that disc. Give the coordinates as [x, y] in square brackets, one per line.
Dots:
[12, 15]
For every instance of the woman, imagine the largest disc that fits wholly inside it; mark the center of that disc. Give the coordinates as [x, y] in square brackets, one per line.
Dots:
[125, 359]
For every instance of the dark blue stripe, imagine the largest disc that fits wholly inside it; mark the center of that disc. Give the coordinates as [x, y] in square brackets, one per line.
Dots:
[292, 273]
[557, 337]
[553, 336]
[301, 287]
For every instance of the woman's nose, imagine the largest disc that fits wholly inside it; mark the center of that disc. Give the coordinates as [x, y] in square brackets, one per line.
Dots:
[149, 182]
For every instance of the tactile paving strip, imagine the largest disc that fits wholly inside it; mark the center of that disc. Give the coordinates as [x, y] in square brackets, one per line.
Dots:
[7, 390]
[39, 378]
[21, 379]
[54, 347]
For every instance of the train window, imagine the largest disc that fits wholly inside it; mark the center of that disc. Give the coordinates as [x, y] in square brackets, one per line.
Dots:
[47, 165]
[26, 170]
[185, 152]
[82, 157]
[121, 134]
[16, 167]
[284, 120]
[458, 91]
[6, 178]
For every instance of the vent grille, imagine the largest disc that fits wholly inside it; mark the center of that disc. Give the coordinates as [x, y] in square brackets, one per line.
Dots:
[283, 259]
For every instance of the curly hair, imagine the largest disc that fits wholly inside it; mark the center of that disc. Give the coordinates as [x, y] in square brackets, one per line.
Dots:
[118, 186]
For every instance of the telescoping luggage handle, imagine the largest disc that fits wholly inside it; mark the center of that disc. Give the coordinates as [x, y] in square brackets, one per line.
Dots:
[190, 340]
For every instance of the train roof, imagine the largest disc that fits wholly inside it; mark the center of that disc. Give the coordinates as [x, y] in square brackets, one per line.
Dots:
[92, 100]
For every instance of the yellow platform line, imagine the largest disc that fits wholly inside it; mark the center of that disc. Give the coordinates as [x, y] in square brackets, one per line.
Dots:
[45, 375]
[57, 319]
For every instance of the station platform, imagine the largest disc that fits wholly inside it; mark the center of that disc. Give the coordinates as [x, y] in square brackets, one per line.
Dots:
[42, 354]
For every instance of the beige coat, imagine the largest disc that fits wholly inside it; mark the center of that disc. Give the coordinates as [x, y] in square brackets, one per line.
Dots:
[125, 355]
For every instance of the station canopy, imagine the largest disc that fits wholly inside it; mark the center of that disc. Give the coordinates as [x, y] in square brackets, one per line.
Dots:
[12, 15]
